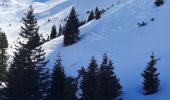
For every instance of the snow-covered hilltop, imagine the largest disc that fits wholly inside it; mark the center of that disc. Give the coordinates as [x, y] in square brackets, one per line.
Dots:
[117, 33]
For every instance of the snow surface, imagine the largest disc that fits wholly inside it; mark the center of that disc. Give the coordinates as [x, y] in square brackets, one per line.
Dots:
[116, 33]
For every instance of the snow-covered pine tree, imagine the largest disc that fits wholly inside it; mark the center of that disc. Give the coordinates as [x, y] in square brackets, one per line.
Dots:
[62, 87]
[89, 81]
[151, 80]
[91, 16]
[28, 77]
[71, 29]
[110, 87]
[97, 13]
[53, 32]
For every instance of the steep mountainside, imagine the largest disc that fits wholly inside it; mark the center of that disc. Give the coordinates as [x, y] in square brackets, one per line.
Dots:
[116, 33]
[127, 44]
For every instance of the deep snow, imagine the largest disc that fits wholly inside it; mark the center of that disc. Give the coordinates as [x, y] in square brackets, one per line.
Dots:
[116, 33]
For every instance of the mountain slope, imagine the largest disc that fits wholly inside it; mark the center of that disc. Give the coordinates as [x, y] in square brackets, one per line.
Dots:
[56, 11]
[127, 44]
[117, 33]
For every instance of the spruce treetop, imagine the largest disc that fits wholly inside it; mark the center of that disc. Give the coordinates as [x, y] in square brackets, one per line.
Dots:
[29, 28]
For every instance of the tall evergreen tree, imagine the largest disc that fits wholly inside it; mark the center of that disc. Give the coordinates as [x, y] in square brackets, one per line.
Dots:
[110, 87]
[89, 81]
[151, 80]
[53, 32]
[57, 90]
[71, 88]
[27, 78]
[3, 61]
[97, 13]
[3, 56]
[91, 16]
[71, 29]
[62, 87]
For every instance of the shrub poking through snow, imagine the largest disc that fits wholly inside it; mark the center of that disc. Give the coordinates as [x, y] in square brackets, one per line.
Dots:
[159, 3]
[152, 19]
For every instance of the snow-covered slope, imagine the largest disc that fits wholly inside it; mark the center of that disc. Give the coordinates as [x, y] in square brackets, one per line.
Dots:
[129, 46]
[116, 33]
[12, 11]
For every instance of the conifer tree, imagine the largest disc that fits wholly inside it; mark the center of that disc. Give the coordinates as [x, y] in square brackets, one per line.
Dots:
[53, 32]
[71, 29]
[28, 77]
[71, 88]
[97, 13]
[110, 87]
[57, 90]
[3, 61]
[3, 56]
[89, 81]
[91, 16]
[151, 80]
[62, 87]
[60, 31]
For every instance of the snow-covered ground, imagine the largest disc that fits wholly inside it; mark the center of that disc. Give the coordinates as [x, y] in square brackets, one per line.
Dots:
[12, 11]
[116, 33]
[129, 46]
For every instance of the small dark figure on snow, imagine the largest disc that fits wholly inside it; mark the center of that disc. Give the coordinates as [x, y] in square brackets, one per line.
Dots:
[142, 24]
